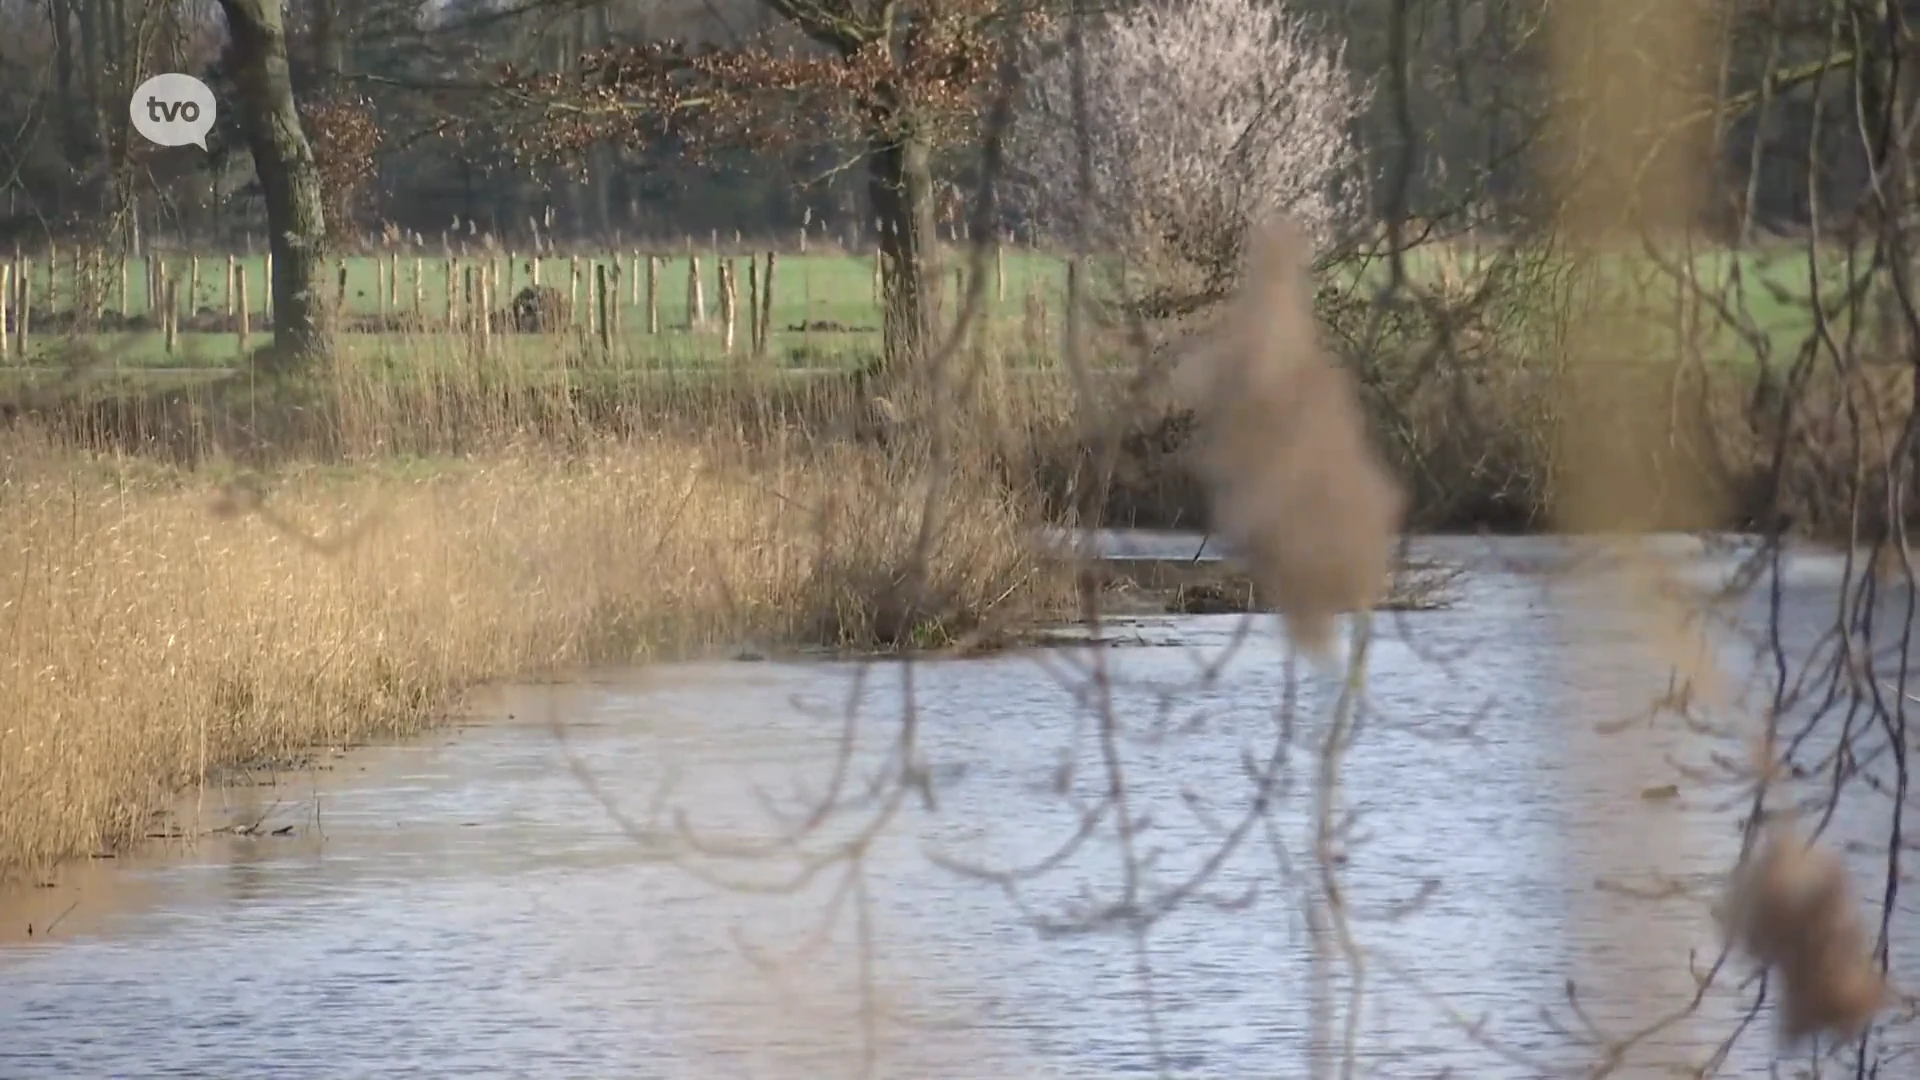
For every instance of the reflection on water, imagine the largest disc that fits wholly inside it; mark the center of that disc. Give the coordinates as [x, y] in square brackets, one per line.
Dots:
[563, 890]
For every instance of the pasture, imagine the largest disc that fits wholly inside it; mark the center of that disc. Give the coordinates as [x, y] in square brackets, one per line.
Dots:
[824, 310]
[406, 308]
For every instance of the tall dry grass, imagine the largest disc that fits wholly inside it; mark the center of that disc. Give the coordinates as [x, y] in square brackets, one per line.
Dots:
[163, 623]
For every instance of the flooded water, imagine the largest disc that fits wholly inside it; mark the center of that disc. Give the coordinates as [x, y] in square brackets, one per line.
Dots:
[632, 876]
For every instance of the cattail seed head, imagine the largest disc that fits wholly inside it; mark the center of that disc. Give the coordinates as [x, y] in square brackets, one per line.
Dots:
[1293, 482]
[1790, 908]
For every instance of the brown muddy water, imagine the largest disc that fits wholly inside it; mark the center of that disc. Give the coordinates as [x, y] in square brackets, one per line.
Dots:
[559, 886]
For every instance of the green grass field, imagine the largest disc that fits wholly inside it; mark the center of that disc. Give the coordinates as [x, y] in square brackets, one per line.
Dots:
[1736, 300]
[824, 312]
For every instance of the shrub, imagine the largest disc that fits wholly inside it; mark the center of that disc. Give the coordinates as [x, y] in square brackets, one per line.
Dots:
[1204, 118]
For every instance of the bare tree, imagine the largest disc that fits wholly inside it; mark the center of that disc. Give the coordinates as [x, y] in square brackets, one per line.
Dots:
[887, 87]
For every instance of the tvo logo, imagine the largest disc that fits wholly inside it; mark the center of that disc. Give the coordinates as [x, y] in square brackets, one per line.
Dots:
[173, 110]
[166, 112]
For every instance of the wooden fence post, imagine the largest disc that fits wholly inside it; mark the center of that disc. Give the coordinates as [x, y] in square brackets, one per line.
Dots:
[230, 286]
[6, 293]
[240, 290]
[653, 294]
[573, 289]
[726, 308]
[614, 276]
[486, 309]
[696, 295]
[605, 301]
[766, 307]
[24, 315]
[753, 303]
[469, 287]
[172, 316]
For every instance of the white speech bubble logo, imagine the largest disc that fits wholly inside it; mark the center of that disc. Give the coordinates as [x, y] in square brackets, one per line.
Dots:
[173, 110]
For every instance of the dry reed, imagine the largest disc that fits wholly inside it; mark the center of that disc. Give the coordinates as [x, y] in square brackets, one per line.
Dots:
[1283, 449]
[155, 637]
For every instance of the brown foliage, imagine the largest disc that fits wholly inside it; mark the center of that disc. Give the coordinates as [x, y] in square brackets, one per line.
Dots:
[1284, 454]
[1790, 908]
[928, 74]
[345, 138]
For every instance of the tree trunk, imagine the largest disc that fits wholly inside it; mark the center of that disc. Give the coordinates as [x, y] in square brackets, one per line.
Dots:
[900, 187]
[329, 51]
[289, 177]
[73, 126]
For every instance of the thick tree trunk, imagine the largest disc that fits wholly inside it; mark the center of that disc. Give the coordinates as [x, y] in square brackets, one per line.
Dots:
[900, 186]
[289, 177]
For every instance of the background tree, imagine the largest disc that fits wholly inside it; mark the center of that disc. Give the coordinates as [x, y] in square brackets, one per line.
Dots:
[256, 60]
[885, 85]
[1251, 115]
[1472, 72]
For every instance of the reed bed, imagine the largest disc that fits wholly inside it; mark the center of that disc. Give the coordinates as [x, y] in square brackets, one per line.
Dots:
[167, 622]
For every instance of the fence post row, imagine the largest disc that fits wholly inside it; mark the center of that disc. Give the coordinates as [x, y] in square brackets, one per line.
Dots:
[598, 291]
